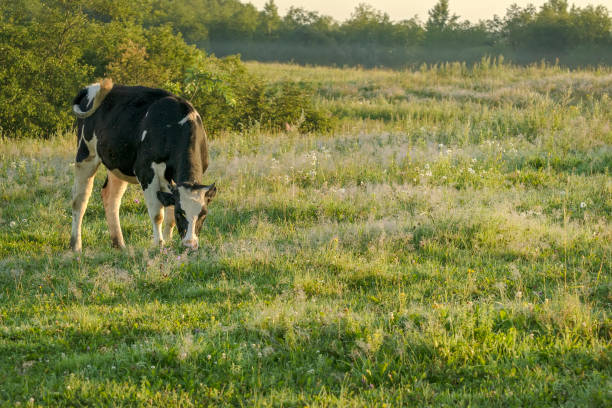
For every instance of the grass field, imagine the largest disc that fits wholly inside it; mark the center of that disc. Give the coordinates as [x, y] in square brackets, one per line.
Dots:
[449, 244]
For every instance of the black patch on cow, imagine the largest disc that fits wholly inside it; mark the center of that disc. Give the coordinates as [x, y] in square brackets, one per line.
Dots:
[166, 199]
[81, 100]
[105, 183]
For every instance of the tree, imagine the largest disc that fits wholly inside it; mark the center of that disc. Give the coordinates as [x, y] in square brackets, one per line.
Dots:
[440, 18]
[270, 21]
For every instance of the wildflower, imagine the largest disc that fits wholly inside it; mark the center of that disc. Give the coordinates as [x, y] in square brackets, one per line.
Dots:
[583, 205]
[471, 170]
[428, 174]
[209, 356]
[12, 224]
[519, 294]
[137, 201]
[474, 160]
[426, 165]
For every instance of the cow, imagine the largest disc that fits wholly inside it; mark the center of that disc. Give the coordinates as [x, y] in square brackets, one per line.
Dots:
[146, 136]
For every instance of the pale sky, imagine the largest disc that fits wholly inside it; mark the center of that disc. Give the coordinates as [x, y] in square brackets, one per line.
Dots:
[404, 9]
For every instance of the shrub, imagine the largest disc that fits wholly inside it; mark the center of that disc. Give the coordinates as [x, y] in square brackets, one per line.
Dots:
[48, 56]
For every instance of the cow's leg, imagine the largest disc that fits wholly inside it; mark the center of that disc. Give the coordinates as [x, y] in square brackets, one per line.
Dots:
[169, 222]
[154, 208]
[111, 197]
[84, 172]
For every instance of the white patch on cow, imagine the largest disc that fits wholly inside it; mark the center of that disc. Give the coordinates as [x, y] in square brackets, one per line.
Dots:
[143, 136]
[92, 145]
[160, 171]
[192, 202]
[190, 116]
[154, 207]
[92, 91]
[77, 109]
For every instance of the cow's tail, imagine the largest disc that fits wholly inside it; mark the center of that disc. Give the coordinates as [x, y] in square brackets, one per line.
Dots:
[105, 87]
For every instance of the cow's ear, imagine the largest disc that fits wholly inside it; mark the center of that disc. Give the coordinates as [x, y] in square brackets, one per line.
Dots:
[211, 192]
[166, 199]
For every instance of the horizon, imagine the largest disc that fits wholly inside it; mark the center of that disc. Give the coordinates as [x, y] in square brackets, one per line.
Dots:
[466, 9]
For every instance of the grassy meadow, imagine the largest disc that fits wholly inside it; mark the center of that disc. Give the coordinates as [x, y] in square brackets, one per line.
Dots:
[448, 244]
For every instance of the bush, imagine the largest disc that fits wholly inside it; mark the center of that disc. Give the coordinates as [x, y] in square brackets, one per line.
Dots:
[49, 55]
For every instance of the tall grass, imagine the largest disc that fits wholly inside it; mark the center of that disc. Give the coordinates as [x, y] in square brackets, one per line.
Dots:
[448, 244]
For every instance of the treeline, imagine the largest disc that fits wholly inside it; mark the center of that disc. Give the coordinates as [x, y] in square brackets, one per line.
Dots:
[370, 37]
[578, 36]
[49, 49]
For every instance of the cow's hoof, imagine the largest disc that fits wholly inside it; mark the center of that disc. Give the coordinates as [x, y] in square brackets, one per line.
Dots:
[117, 243]
[75, 245]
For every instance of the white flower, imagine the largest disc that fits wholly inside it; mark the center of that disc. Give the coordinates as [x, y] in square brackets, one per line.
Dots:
[428, 174]
[209, 356]
[583, 205]
[12, 224]
[474, 160]
[471, 170]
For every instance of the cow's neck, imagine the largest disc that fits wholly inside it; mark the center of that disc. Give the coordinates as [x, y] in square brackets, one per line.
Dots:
[188, 170]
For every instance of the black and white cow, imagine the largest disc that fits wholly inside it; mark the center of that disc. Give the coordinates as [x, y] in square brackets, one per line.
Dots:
[146, 136]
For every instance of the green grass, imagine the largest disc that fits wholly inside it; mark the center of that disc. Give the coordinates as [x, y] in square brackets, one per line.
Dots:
[448, 244]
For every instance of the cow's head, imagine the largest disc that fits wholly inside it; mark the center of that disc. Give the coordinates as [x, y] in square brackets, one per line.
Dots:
[190, 201]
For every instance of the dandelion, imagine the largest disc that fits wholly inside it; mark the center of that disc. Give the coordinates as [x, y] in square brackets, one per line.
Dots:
[12, 224]
[583, 205]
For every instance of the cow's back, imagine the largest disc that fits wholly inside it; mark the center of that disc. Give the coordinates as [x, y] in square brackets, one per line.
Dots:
[117, 123]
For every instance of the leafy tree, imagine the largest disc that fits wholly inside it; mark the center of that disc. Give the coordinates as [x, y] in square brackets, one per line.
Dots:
[368, 25]
[439, 18]
[270, 20]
